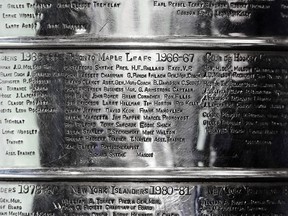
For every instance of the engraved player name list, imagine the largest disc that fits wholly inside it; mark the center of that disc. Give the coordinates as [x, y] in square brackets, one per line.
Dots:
[138, 108]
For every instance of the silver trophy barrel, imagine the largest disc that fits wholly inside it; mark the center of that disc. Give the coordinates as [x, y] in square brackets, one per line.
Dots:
[143, 108]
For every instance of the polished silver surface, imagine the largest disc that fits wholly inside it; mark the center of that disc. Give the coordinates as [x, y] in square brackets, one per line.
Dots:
[143, 199]
[276, 44]
[143, 18]
[152, 109]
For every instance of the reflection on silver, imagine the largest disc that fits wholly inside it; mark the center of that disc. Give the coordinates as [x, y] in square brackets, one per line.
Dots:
[143, 109]
[137, 100]
[143, 18]
[135, 199]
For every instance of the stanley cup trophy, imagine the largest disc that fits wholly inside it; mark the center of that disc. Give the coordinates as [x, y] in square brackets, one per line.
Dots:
[143, 107]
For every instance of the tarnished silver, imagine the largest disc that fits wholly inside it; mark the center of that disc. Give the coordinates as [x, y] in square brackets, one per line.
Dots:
[138, 199]
[143, 18]
[163, 111]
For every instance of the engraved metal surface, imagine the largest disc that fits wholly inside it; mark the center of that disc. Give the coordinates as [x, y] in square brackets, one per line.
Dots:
[142, 199]
[143, 18]
[154, 109]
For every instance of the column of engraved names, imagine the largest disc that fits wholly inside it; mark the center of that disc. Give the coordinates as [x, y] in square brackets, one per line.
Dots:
[34, 17]
[22, 16]
[249, 84]
[19, 129]
[249, 103]
[121, 101]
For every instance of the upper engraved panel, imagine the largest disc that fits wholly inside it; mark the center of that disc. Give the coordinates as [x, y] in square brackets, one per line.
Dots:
[143, 18]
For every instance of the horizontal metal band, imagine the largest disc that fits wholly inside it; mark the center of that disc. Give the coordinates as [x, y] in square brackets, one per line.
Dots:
[146, 43]
[143, 174]
[138, 199]
[143, 18]
[143, 109]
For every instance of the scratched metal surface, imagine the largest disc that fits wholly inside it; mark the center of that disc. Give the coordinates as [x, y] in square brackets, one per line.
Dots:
[138, 199]
[143, 18]
[149, 109]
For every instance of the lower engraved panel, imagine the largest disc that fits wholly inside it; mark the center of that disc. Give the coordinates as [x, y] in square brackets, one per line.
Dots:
[143, 199]
[143, 108]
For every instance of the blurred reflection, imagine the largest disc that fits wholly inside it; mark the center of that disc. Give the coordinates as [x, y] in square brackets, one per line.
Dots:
[143, 18]
[65, 21]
